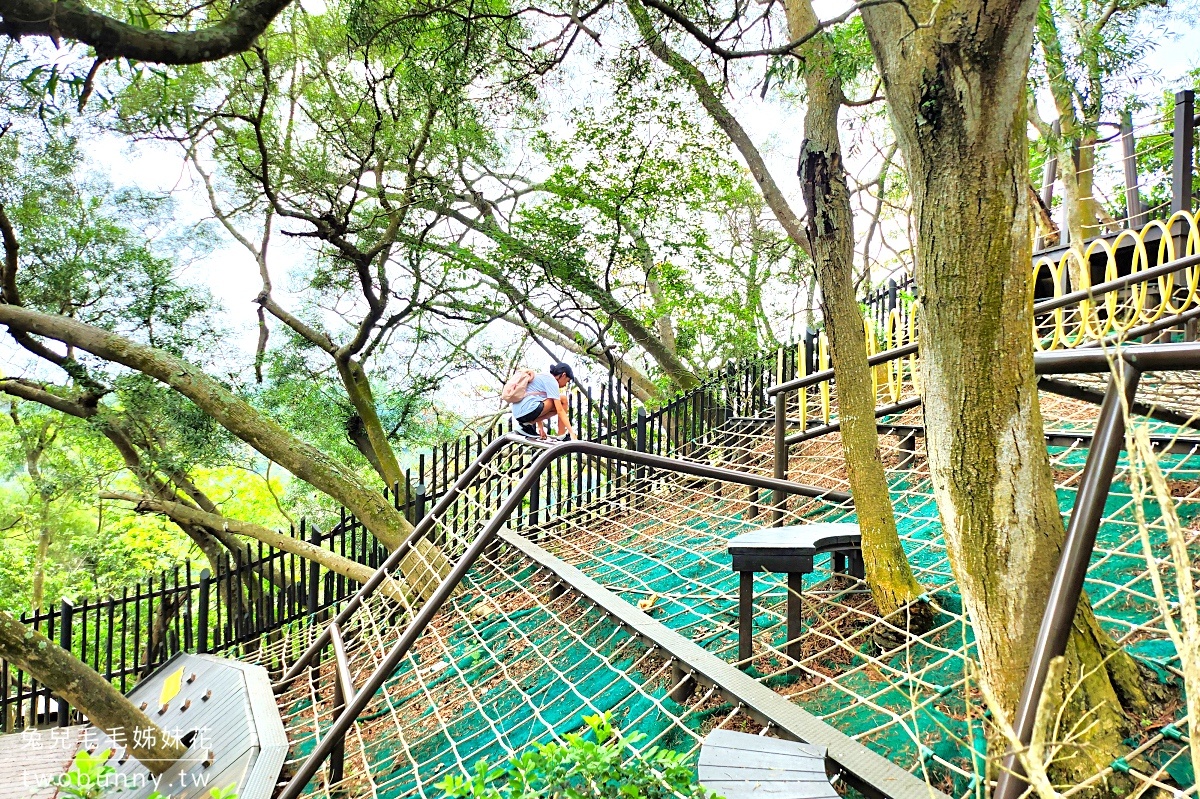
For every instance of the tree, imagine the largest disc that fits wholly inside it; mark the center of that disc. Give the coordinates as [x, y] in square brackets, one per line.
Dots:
[334, 133]
[829, 228]
[826, 235]
[94, 283]
[36, 435]
[956, 90]
[1085, 48]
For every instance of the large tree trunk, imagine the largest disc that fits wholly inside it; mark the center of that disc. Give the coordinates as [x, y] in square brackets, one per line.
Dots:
[303, 460]
[829, 226]
[74, 681]
[956, 91]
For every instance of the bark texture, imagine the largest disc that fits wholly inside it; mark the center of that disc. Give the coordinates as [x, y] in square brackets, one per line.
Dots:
[112, 38]
[956, 91]
[358, 389]
[74, 681]
[829, 228]
[184, 514]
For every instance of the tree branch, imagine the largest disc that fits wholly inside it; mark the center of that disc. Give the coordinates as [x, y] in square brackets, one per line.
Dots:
[112, 38]
[184, 514]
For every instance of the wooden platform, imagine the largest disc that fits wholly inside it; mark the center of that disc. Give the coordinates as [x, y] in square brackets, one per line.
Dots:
[29, 760]
[788, 550]
[737, 765]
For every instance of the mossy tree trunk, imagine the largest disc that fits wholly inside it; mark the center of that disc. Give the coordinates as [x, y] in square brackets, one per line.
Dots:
[829, 227]
[956, 90]
[77, 683]
[381, 456]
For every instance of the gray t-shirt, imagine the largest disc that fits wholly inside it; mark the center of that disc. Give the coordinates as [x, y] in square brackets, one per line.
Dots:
[541, 388]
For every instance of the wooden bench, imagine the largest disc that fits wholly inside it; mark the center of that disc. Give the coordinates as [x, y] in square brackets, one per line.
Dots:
[791, 551]
[737, 765]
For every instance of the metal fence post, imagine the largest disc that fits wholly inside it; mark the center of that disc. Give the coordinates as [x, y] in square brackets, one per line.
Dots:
[535, 501]
[1185, 143]
[810, 351]
[779, 498]
[314, 574]
[640, 441]
[421, 504]
[202, 611]
[64, 640]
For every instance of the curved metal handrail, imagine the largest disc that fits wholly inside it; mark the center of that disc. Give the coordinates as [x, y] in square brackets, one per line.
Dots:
[358, 702]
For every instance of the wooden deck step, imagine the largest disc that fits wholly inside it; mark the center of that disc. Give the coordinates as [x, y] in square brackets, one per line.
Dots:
[737, 765]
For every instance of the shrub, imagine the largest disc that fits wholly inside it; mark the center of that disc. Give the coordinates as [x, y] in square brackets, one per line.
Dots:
[606, 768]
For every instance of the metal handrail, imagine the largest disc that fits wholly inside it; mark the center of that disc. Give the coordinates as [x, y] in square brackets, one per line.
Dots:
[343, 691]
[356, 704]
[421, 529]
[1092, 293]
[1126, 366]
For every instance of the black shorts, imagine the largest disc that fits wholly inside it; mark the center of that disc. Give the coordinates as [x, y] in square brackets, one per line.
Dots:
[532, 416]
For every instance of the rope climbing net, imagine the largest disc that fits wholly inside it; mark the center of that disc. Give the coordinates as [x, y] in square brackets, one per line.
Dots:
[515, 657]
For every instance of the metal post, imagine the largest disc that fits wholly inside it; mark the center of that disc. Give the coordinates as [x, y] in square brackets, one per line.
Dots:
[535, 501]
[314, 574]
[1049, 175]
[202, 611]
[1063, 600]
[1185, 143]
[893, 295]
[640, 440]
[1133, 199]
[683, 685]
[795, 608]
[779, 498]
[64, 640]
[745, 617]
[422, 504]
[343, 691]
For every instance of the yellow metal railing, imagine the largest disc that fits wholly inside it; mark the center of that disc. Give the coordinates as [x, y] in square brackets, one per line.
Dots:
[1090, 320]
[1120, 311]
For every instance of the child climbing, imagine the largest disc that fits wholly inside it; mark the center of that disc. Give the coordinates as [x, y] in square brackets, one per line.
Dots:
[536, 397]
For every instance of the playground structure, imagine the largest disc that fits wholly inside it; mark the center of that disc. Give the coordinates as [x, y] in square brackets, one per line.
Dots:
[593, 577]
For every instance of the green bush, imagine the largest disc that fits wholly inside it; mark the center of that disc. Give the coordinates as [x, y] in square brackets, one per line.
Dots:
[607, 768]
